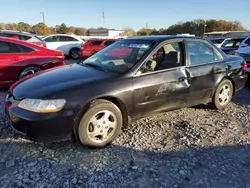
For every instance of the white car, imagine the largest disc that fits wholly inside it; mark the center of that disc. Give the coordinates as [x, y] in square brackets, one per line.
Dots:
[218, 41]
[69, 44]
[244, 50]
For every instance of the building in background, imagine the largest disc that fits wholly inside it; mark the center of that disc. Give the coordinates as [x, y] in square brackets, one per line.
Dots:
[104, 33]
[227, 34]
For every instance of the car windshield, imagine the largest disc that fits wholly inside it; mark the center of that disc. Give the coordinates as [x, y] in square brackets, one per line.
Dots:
[232, 43]
[217, 41]
[119, 56]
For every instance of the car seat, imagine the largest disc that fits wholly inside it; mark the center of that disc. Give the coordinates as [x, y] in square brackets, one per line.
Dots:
[170, 61]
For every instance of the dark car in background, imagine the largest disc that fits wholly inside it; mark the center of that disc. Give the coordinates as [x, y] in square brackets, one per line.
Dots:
[93, 99]
[230, 45]
[25, 36]
[19, 59]
[218, 41]
[92, 46]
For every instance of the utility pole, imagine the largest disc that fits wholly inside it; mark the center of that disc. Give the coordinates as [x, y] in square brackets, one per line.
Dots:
[103, 19]
[43, 17]
[205, 25]
[43, 22]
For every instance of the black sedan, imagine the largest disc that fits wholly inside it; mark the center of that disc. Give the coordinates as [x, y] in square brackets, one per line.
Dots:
[133, 78]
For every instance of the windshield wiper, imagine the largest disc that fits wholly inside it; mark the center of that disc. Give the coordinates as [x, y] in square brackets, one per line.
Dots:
[94, 66]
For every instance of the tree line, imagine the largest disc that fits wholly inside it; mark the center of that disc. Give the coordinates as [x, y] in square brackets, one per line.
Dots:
[197, 27]
[43, 29]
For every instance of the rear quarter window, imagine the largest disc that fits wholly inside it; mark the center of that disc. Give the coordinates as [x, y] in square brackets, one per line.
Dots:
[25, 49]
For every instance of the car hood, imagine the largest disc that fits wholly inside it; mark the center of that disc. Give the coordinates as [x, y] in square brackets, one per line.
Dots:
[55, 80]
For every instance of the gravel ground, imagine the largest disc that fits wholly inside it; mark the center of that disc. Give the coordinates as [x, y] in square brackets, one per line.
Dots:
[192, 147]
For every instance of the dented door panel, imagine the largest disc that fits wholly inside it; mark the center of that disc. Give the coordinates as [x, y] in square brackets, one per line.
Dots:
[204, 79]
[155, 92]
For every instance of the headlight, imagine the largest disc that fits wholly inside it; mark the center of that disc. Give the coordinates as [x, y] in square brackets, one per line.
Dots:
[42, 106]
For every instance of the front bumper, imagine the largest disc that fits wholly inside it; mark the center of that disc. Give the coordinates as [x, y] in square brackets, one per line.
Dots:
[47, 127]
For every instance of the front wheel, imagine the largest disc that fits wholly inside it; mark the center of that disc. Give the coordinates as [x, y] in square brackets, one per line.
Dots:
[100, 124]
[223, 94]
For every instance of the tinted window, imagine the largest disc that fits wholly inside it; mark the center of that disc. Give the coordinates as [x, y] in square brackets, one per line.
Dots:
[96, 43]
[51, 39]
[25, 49]
[107, 43]
[200, 52]
[24, 37]
[248, 42]
[217, 41]
[66, 39]
[6, 35]
[232, 43]
[6, 47]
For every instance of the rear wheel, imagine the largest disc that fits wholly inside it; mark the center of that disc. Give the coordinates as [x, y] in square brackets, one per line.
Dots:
[74, 53]
[27, 71]
[223, 94]
[100, 124]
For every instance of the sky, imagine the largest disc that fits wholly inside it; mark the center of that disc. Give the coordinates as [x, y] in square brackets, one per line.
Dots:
[123, 13]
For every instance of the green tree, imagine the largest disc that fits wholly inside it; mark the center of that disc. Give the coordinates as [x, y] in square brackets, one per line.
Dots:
[80, 31]
[62, 29]
[21, 26]
[144, 31]
[128, 32]
[71, 29]
[41, 29]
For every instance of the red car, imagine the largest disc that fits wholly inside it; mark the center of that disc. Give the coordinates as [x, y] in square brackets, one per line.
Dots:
[19, 59]
[94, 45]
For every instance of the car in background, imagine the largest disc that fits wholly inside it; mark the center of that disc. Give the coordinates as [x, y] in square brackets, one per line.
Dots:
[95, 98]
[19, 59]
[69, 44]
[231, 45]
[217, 41]
[244, 50]
[92, 46]
[25, 36]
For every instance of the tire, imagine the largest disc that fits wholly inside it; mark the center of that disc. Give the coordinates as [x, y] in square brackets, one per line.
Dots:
[222, 99]
[27, 71]
[74, 53]
[93, 130]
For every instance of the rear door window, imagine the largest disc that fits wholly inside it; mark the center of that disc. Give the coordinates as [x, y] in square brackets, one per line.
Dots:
[96, 43]
[51, 39]
[7, 47]
[200, 53]
[67, 39]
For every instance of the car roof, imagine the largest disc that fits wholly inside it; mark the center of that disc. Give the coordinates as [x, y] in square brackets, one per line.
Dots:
[161, 38]
[9, 39]
[18, 32]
